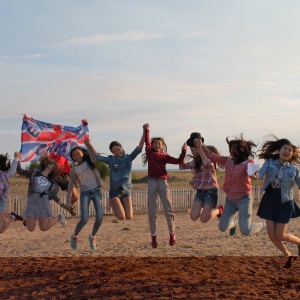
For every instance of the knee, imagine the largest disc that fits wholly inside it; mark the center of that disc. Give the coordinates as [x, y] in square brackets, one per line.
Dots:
[204, 219]
[128, 218]
[279, 236]
[245, 232]
[30, 229]
[222, 227]
[84, 221]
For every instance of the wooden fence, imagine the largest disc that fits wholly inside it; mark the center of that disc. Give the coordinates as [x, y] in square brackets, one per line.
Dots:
[182, 199]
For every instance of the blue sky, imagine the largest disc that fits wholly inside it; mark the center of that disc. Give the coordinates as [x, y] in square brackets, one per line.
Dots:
[218, 67]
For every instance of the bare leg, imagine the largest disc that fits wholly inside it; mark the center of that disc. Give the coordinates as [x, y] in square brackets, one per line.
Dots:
[46, 223]
[208, 213]
[196, 210]
[127, 205]
[4, 222]
[118, 208]
[30, 223]
[271, 230]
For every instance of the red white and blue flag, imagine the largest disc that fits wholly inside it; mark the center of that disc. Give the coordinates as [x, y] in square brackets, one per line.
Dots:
[39, 137]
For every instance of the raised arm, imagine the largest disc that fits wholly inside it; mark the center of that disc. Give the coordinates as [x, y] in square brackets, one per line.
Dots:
[90, 147]
[200, 149]
[142, 140]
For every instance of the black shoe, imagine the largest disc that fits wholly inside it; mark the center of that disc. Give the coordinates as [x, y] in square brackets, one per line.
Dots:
[15, 216]
[289, 262]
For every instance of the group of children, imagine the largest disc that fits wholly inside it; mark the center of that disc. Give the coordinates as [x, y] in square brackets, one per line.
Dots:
[280, 172]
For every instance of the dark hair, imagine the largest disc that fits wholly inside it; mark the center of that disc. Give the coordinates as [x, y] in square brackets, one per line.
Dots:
[240, 150]
[115, 143]
[45, 159]
[270, 149]
[198, 160]
[164, 148]
[86, 157]
[4, 162]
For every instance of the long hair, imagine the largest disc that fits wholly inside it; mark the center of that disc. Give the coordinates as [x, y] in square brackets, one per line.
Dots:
[4, 162]
[164, 149]
[198, 161]
[270, 149]
[44, 162]
[240, 149]
[86, 157]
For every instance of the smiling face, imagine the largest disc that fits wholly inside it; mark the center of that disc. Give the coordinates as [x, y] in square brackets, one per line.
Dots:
[157, 145]
[285, 153]
[77, 155]
[117, 151]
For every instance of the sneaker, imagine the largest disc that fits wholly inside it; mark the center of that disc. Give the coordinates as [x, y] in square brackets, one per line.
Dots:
[289, 262]
[92, 242]
[232, 231]
[154, 242]
[15, 216]
[63, 221]
[172, 240]
[220, 208]
[73, 243]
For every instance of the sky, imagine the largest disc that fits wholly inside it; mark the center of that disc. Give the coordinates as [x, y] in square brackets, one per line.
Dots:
[218, 67]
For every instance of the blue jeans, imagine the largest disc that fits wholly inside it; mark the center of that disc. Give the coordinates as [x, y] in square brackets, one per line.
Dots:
[244, 207]
[85, 199]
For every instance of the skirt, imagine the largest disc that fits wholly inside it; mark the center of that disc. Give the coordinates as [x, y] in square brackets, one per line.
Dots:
[271, 208]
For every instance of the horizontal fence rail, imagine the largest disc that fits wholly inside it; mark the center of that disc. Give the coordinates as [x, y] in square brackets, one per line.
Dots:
[181, 199]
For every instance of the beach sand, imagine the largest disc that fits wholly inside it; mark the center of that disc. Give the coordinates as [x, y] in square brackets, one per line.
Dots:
[204, 263]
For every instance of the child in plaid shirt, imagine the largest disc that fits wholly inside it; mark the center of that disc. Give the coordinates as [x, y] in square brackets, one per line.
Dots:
[204, 182]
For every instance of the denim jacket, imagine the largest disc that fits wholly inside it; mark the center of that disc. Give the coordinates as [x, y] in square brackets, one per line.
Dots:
[120, 168]
[289, 175]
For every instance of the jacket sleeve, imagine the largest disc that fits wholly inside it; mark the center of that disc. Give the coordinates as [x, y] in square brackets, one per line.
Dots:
[263, 169]
[216, 158]
[23, 172]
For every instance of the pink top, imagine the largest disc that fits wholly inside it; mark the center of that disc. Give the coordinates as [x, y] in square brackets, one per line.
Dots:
[237, 183]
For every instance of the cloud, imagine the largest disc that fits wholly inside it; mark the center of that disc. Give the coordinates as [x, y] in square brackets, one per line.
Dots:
[25, 56]
[130, 36]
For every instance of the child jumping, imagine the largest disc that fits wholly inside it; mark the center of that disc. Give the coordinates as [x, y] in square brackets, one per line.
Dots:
[157, 158]
[204, 181]
[7, 170]
[90, 183]
[120, 166]
[41, 181]
[280, 170]
[237, 186]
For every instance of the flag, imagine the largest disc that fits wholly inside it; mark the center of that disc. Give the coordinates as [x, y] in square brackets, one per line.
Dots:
[38, 137]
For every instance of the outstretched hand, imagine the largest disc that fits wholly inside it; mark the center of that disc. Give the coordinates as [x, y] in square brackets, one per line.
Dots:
[88, 142]
[146, 126]
[184, 147]
[17, 154]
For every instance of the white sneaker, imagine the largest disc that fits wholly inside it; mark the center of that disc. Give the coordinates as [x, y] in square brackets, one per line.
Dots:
[63, 221]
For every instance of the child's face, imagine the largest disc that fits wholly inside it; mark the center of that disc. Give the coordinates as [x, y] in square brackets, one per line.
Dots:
[157, 145]
[285, 153]
[194, 151]
[117, 151]
[77, 155]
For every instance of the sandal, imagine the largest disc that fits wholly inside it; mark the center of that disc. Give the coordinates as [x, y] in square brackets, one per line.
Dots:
[290, 261]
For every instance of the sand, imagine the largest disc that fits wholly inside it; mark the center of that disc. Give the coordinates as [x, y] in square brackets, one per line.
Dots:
[204, 264]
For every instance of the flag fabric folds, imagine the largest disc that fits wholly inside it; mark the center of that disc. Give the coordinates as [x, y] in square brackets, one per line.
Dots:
[38, 137]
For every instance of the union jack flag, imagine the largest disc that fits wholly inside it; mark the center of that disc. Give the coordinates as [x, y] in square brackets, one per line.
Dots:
[38, 137]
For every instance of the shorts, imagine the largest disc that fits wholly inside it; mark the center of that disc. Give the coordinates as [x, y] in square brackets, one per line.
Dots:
[2, 205]
[207, 197]
[271, 208]
[63, 181]
[120, 193]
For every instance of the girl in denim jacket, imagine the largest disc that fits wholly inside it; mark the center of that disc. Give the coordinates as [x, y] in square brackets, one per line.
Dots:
[237, 186]
[280, 172]
[120, 167]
